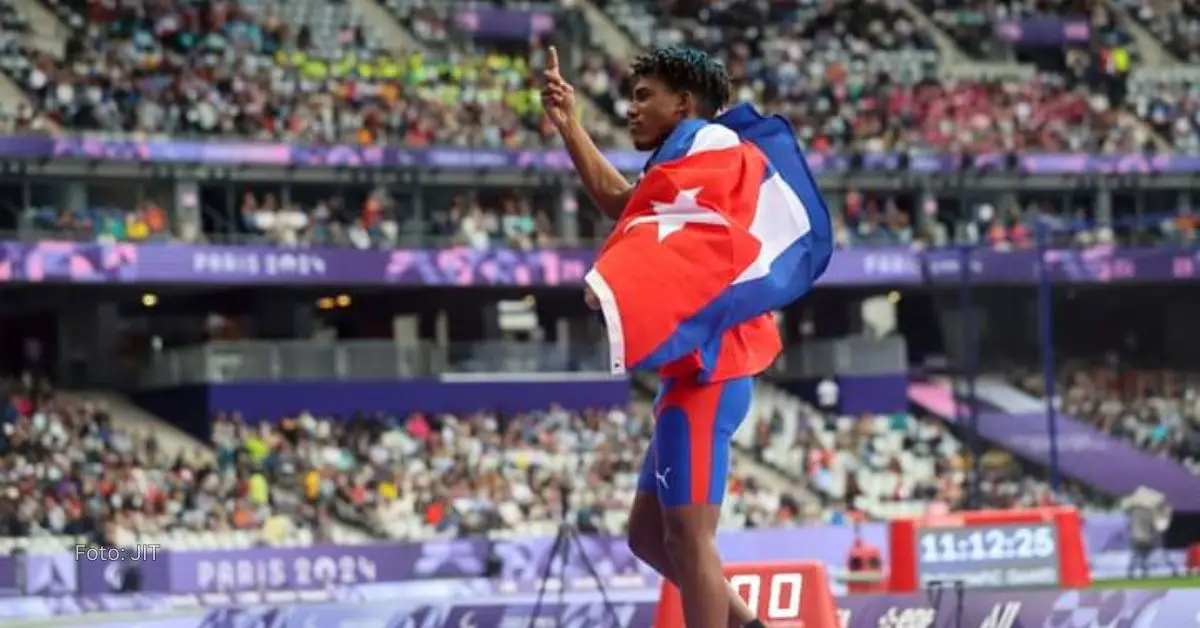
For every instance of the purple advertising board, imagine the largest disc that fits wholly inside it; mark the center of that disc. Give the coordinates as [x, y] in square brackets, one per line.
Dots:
[329, 566]
[49, 261]
[324, 567]
[169, 151]
[1095, 265]
[499, 23]
[1116, 608]
[875, 394]
[1044, 30]
[78, 262]
[857, 394]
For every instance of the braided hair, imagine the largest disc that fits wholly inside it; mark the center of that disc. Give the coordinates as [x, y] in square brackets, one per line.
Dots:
[688, 70]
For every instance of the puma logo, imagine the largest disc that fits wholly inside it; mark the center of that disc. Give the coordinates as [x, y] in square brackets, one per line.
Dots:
[662, 477]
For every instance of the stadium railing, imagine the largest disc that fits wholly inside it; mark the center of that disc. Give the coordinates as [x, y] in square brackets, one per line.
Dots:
[311, 360]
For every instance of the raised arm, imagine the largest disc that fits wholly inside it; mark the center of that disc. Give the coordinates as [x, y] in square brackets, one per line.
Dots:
[607, 187]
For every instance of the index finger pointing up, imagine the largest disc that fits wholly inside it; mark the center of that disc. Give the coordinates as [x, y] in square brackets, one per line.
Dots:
[552, 59]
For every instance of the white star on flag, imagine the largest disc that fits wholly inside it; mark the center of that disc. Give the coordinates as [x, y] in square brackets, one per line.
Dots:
[673, 216]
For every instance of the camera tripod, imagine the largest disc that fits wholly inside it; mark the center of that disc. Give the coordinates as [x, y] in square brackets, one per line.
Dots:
[934, 590]
[560, 552]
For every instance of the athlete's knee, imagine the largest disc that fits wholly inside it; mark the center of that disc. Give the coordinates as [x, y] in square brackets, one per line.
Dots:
[646, 532]
[688, 534]
[644, 540]
[648, 547]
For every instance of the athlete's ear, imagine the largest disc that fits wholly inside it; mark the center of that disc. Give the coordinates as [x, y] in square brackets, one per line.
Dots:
[685, 104]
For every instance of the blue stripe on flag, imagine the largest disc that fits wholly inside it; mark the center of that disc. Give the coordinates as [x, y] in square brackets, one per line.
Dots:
[738, 304]
[678, 143]
[792, 274]
[774, 136]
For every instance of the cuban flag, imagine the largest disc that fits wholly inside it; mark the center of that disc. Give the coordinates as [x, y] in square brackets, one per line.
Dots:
[725, 227]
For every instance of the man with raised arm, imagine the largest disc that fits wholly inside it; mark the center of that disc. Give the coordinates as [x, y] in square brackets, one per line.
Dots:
[724, 227]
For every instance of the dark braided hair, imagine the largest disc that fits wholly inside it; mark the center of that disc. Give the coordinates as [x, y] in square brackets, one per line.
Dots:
[688, 70]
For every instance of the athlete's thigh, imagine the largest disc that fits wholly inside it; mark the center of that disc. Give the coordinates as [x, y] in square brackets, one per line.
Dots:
[645, 514]
[646, 482]
[692, 437]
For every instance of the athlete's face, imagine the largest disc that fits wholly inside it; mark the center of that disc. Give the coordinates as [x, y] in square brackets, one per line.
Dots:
[655, 111]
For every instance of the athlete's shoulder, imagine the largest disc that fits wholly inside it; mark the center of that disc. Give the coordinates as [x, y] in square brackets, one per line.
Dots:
[690, 137]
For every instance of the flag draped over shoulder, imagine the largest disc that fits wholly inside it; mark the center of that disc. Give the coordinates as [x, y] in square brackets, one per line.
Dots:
[726, 226]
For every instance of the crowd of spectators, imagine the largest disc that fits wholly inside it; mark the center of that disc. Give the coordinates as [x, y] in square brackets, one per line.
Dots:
[146, 222]
[296, 73]
[860, 76]
[512, 222]
[972, 23]
[432, 22]
[378, 220]
[1157, 411]
[1004, 224]
[1176, 23]
[430, 475]
[69, 472]
[851, 75]
[1172, 109]
[523, 220]
[885, 466]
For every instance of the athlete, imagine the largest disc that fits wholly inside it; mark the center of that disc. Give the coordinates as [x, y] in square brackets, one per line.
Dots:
[673, 522]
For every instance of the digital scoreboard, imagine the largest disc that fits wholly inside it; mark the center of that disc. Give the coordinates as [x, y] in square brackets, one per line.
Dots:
[993, 549]
[997, 556]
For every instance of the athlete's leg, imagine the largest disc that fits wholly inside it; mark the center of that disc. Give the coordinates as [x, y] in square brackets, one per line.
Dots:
[692, 550]
[649, 547]
[647, 536]
[692, 437]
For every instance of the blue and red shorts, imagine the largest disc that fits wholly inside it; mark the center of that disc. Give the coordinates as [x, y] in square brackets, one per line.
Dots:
[688, 459]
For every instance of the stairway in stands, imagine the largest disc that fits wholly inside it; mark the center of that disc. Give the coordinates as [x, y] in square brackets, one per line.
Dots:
[25, 25]
[131, 418]
[128, 417]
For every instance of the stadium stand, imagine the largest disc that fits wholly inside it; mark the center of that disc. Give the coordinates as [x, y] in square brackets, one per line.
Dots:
[72, 472]
[284, 483]
[430, 476]
[1168, 105]
[853, 77]
[972, 23]
[1175, 24]
[1158, 411]
[856, 75]
[433, 24]
[301, 71]
[861, 75]
[885, 466]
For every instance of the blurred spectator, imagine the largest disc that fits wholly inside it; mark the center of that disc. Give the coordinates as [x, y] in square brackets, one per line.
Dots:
[1156, 411]
[182, 68]
[884, 466]
[1175, 23]
[68, 471]
[851, 76]
[437, 474]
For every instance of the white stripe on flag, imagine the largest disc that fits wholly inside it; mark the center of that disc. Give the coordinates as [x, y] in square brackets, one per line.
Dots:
[713, 137]
[780, 219]
[612, 321]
